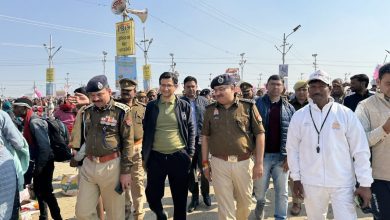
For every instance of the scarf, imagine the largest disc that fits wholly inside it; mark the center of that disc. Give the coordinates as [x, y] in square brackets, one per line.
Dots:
[26, 129]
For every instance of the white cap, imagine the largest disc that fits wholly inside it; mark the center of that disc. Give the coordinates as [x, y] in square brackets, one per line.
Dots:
[320, 75]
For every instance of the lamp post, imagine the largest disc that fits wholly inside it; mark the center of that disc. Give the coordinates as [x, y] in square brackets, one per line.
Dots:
[284, 52]
[104, 62]
[315, 61]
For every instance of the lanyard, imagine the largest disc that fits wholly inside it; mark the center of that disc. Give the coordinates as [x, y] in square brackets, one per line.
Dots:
[319, 131]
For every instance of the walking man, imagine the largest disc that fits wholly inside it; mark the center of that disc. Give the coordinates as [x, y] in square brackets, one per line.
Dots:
[128, 97]
[276, 113]
[359, 84]
[167, 148]
[232, 132]
[107, 130]
[198, 107]
[41, 166]
[374, 114]
[327, 151]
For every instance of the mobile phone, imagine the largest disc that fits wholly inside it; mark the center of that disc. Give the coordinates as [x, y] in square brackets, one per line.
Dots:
[358, 201]
[119, 189]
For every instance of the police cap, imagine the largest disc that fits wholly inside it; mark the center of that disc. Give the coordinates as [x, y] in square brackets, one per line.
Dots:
[245, 86]
[97, 83]
[126, 83]
[224, 79]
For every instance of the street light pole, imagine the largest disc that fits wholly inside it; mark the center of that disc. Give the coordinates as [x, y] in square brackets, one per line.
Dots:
[241, 64]
[104, 62]
[145, 48]
[315, 61]
[49, 85]
[284, 52]
[388, 52]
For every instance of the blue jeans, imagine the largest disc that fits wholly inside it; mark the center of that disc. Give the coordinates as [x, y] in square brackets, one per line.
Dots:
[273, 168]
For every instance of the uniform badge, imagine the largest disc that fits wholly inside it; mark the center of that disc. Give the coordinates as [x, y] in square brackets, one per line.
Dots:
[100, 85]
[336, 125]
[183, 116]
[216, 113]
[128, 122]
[220, 80]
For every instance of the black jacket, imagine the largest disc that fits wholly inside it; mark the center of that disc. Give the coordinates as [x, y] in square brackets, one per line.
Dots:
[200, 107]
[184, 118]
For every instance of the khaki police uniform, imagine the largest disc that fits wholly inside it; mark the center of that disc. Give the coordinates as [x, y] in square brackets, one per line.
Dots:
[230, 141]
[109, 137]
[137, 171]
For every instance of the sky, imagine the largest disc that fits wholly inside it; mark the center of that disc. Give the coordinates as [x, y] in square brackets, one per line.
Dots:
[205, 36]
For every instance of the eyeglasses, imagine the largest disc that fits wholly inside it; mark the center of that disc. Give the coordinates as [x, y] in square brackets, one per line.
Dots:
[167, 85]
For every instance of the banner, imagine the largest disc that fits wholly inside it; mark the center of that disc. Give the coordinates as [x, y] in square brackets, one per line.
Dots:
[125, 67]
[125, 40]
[50, 75]
[283, 70]
[147, 72]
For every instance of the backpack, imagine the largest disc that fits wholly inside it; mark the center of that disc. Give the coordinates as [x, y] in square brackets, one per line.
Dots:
[59, 140]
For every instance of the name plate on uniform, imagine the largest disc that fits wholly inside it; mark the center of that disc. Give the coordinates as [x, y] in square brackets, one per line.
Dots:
[232, 158]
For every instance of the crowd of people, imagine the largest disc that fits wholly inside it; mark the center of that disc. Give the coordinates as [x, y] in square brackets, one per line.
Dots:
[325, 142]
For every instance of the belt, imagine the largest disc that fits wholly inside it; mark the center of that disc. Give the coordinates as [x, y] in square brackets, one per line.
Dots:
[138, 142]
[104, 158]
[233, 158]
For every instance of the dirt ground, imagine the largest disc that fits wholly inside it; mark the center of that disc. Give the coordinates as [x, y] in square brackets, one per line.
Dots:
[67, 204]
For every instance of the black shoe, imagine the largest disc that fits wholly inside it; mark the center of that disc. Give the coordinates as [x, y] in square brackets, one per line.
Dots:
[163, 215]
[193, 205]
[207, 200]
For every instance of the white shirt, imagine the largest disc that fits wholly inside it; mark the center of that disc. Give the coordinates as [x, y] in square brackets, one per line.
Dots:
[341, 139]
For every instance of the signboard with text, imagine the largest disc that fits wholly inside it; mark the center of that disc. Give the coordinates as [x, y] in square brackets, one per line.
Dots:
[50, 75]
[125, 67]
[125, 40]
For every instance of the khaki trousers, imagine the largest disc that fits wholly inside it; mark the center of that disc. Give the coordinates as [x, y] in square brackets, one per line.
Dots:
[99, 179]
[137, 190]
[232, 181]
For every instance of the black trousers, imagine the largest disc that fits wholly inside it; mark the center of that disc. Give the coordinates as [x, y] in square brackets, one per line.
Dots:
[381, 189]
[194, 183]
[176, 166]
[43, 189]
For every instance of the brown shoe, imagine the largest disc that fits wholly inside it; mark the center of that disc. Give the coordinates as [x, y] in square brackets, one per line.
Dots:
[295, 209]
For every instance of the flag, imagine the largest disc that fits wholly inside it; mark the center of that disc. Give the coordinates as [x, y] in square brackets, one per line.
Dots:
[37, 92]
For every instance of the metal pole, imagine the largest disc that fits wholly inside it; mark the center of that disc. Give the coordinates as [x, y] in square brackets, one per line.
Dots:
[241, 64]
[104, 62]
[284, 48]
[315, 61]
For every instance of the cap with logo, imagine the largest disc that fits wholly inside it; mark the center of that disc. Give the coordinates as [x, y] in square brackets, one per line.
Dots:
[224, 79]
[245, 87]
[126, 83]
[321, 76]
[97, 83]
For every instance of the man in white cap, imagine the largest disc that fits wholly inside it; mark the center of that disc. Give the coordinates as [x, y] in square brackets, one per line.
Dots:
[327, 152]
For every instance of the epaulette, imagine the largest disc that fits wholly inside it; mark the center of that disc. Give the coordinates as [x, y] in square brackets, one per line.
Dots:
[140, 103]
[85, 107]
[251, 101]
[122, 106]
[213, 104]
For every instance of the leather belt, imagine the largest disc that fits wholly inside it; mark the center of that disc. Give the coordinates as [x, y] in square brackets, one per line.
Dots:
[136, 142]
[233, 158]
[104, 158]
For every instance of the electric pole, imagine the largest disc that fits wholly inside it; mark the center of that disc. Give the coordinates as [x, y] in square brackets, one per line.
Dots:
[173, 64]
[283, 46]
[302, 75]
[210, 79]
[2, 89]
[49, 49]
[241, 64]
[388, 52]
[315, 61]
[260, 75]
[145, 48]
[346, 76]
[104, 62]
[67, 83]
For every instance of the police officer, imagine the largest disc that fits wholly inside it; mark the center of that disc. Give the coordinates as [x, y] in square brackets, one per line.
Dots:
[247, 92]
[128, 97]
[108, 133]
[229, 128]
